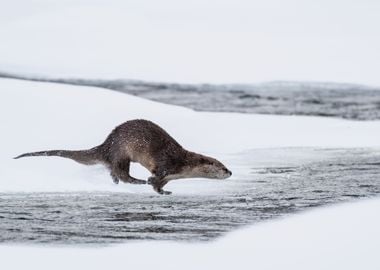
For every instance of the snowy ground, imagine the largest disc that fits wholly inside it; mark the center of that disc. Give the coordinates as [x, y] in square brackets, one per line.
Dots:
[225, 41]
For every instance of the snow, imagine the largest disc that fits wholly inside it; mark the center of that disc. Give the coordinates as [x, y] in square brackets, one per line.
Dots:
[340, 237]
[42, 116]
[225, 41]
[185, 41]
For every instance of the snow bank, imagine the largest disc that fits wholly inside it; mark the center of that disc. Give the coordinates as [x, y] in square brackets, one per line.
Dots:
[38, 116]
[339, 237]
[193, 41]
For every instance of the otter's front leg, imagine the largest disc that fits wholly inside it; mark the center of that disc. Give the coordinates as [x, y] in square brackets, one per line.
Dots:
[158, 183]
[115, 179]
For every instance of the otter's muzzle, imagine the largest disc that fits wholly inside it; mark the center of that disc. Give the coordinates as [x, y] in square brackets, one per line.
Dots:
[226, 173]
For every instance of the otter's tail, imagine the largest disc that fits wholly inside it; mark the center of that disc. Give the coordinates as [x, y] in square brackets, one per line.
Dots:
[87, 157]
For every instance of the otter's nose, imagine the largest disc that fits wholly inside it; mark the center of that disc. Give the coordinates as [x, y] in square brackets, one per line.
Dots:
[228, 171]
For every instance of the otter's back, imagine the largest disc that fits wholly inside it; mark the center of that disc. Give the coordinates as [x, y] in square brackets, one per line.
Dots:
[141, 141]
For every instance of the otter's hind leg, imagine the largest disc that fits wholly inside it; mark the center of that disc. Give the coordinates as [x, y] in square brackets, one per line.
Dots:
[120, 171]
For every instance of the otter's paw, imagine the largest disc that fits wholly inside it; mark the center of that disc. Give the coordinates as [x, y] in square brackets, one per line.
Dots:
[162, 192]
[166, 192]
[115, 179]
[151, 180]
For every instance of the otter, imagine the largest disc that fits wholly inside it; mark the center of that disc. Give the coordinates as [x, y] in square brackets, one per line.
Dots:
[150, 145]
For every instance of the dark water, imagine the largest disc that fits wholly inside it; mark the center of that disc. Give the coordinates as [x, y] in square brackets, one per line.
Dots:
[331, 100]
[268, 183]
[347, 101]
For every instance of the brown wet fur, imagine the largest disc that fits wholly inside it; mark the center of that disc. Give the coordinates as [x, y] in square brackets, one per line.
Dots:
[144, 142]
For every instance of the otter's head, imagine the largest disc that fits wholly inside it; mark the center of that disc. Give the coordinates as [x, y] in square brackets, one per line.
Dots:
[209, 167]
